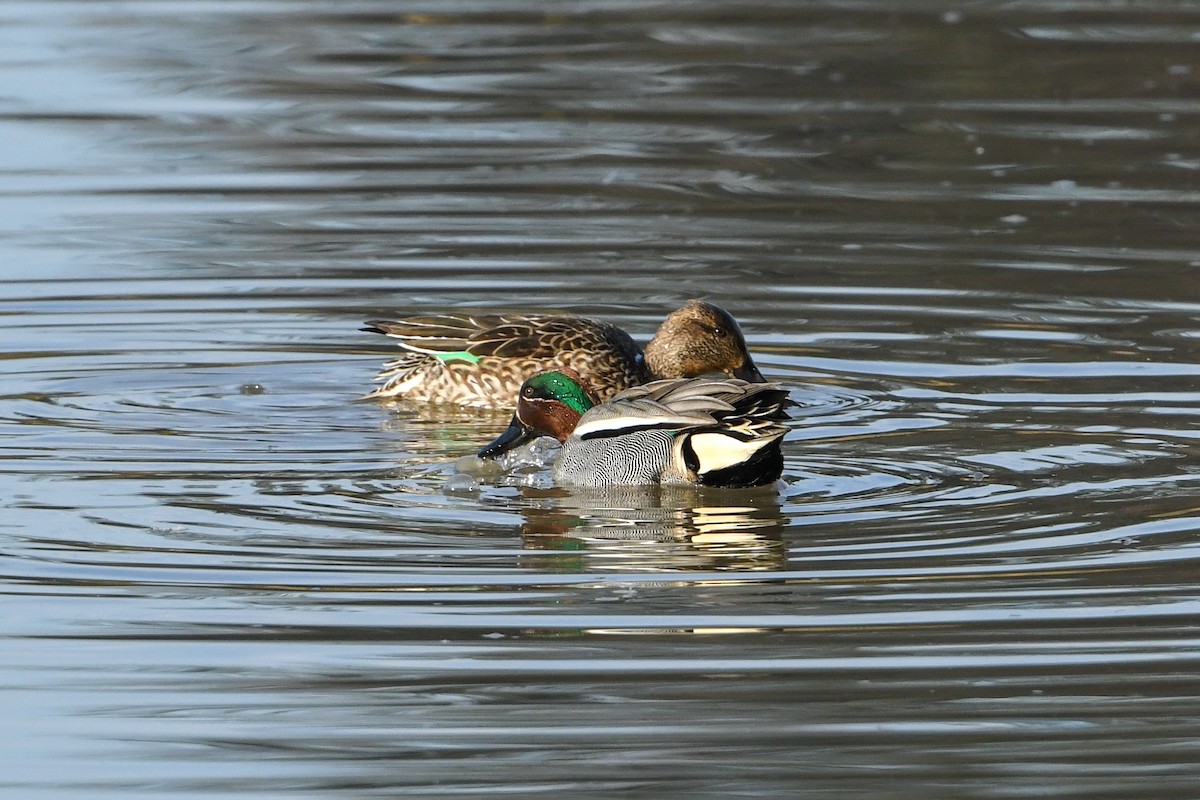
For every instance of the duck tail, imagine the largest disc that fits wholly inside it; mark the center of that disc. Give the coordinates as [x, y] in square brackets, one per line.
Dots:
[401, 376]
[724, 458]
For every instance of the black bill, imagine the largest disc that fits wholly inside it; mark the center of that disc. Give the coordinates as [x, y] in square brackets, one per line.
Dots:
[515, 435]
[748, 371]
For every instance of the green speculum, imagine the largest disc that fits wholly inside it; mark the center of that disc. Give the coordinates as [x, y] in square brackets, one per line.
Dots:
[459, 355]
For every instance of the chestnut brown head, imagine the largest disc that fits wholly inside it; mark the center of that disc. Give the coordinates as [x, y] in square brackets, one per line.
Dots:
[548, 404]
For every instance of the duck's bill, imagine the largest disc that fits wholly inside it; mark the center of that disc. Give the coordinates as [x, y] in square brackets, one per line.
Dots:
[514, 436]
[748, 371]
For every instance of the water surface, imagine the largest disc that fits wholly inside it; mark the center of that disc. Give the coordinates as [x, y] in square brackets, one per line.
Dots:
[963, 237]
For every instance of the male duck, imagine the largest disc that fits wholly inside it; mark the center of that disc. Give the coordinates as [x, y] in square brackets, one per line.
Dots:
[697, 431]
[481, 360]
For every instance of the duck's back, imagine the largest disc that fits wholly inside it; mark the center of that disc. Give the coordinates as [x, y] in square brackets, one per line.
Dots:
[482, 360]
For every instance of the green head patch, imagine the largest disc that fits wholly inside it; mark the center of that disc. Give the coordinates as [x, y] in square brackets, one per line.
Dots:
[562, 387]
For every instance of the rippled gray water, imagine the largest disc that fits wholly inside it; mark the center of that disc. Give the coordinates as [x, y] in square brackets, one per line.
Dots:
[965, 236]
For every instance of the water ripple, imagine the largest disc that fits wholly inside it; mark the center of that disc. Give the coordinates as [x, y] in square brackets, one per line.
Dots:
[964, 239]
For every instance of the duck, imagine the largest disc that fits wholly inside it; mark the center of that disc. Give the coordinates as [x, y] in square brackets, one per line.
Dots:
[481, 360]
[703, 431]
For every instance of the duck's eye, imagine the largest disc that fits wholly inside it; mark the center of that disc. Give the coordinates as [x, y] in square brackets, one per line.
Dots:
[718, 331]
[527, 391]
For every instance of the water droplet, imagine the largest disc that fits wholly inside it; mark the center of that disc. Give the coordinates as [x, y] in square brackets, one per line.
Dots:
[460, 483]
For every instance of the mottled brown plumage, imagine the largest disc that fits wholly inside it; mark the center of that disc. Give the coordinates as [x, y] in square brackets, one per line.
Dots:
[482, 360]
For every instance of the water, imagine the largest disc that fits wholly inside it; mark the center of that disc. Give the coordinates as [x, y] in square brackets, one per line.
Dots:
[964, 236]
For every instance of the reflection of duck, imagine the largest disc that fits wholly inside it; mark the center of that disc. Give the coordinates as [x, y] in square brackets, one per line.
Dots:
[481, 360]
[687, 431]
[654, 529]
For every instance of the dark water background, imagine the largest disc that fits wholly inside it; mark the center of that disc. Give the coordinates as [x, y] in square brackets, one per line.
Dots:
[966, 235]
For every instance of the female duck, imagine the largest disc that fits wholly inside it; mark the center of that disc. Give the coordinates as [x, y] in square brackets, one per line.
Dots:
[481, 360]
[699, 431]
